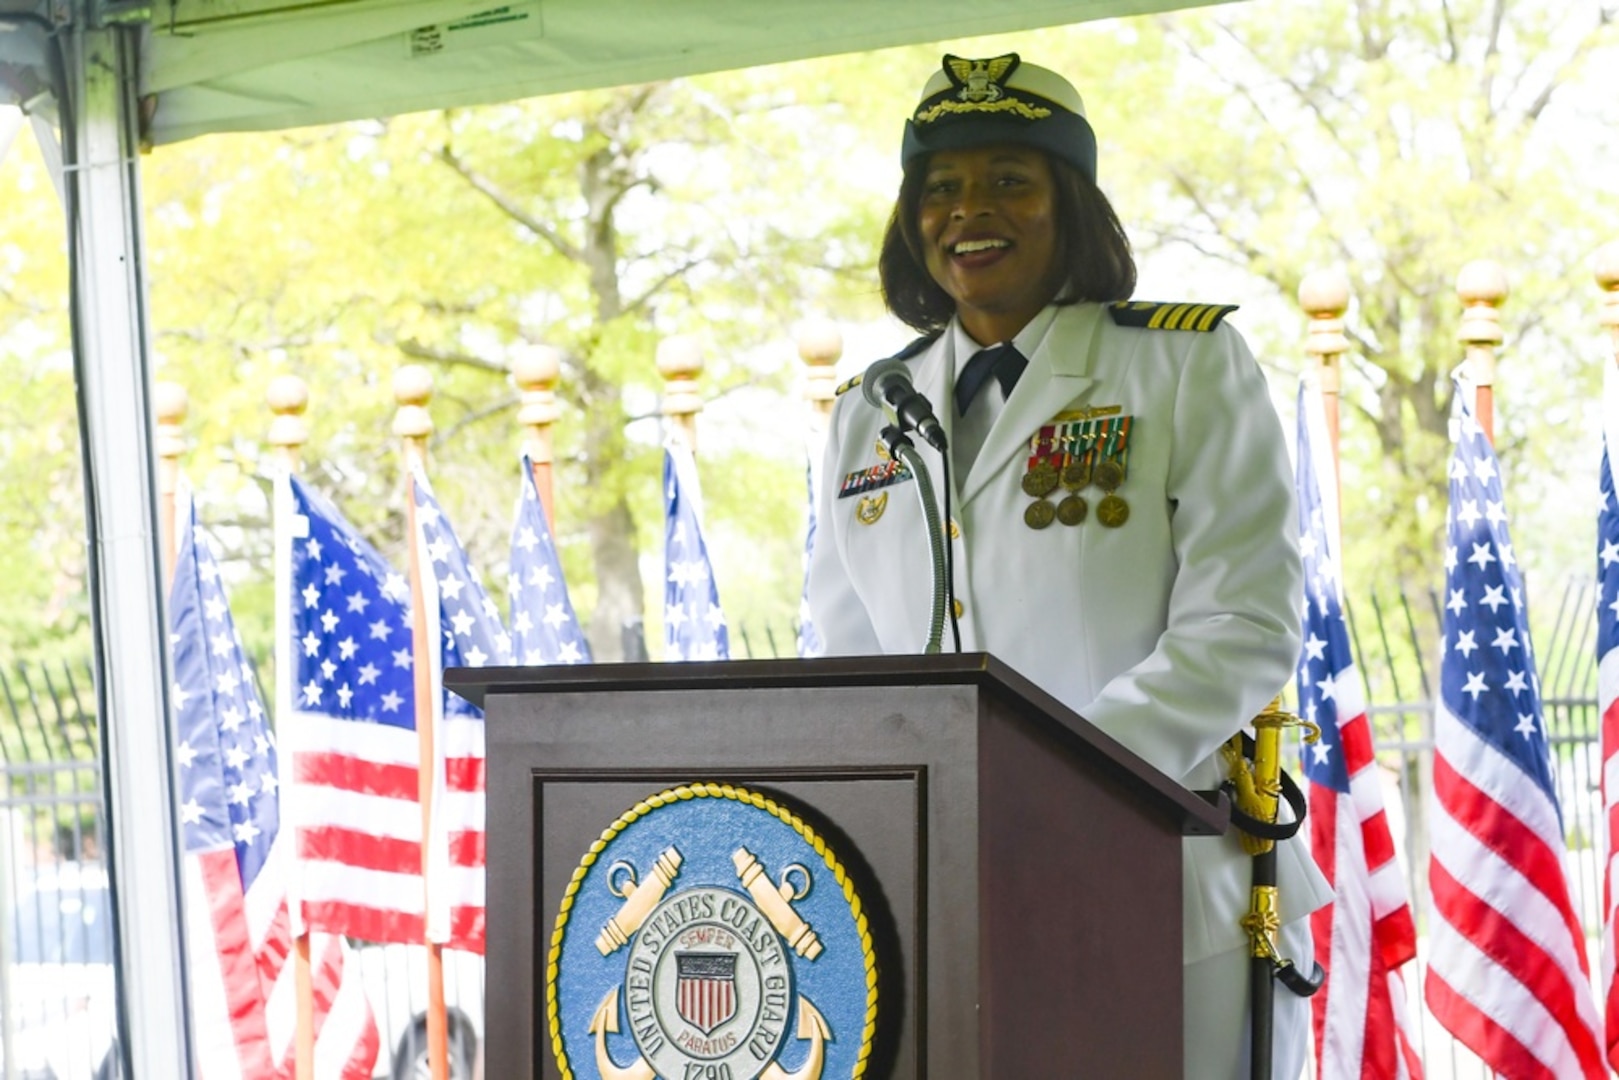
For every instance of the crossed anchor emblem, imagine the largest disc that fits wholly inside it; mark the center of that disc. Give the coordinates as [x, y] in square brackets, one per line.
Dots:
[641, 899]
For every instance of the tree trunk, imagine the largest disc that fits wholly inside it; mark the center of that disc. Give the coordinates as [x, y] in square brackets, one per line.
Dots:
[620, 593]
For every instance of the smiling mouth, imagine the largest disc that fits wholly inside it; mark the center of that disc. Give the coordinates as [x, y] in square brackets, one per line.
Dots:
[973, 247]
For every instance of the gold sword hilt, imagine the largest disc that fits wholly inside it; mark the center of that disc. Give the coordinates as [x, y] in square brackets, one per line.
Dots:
[1258, 785]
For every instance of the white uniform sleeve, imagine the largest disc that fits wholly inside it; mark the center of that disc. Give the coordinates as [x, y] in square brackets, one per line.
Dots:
[1233, 626]
[839, 615]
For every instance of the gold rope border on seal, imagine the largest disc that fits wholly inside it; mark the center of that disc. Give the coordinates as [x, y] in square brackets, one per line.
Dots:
[685, 793]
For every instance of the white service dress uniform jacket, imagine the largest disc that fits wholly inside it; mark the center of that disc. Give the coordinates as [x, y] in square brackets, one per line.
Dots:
[1167, 633]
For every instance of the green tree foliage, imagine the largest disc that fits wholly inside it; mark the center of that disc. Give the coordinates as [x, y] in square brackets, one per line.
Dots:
[43, 570]
[594, 223]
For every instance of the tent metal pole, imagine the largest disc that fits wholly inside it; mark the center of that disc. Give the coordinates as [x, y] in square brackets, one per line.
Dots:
[113, 360]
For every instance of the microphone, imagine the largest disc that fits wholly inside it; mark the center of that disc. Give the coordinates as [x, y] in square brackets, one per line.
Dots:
[888, 382]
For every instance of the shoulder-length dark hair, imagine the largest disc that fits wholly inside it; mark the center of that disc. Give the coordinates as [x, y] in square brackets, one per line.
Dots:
[1091, 245]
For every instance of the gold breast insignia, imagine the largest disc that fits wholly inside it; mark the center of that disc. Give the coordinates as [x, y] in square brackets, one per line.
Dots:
[1086, 412]
[870, 508]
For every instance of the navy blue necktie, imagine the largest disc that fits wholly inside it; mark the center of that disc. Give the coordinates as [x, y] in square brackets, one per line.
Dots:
[1003, 361]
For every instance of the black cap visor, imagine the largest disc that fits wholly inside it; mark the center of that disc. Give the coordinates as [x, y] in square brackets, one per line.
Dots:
[1064, 134]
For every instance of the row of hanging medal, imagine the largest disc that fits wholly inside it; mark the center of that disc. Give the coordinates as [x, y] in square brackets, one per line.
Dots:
[1066, 457]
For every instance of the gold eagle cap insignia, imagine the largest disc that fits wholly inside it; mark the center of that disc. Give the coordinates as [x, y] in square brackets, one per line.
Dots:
[980, 80]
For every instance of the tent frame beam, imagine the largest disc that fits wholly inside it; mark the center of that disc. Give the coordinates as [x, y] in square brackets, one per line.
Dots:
[113, 358]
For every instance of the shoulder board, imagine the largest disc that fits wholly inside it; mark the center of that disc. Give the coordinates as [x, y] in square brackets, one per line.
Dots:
[914, 348]
[1152, 315]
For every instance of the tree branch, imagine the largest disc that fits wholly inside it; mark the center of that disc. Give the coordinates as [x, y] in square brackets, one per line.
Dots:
[612, 200]
[1372, 48]
[1310, 190]
[504, 203]
[1498, 17]
[12, 299]
[1300, 91]
[1455, 49]
[477, 416]
[639, 302]
[1555, 79]
[418, 350]
[206, 337]
[722, 392]
[1184, 183]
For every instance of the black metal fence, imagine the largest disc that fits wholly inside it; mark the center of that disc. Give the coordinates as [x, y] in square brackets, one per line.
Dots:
[50, 800]
[57, 992]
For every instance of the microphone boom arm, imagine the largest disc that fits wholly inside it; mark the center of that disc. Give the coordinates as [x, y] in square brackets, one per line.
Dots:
[904, 451]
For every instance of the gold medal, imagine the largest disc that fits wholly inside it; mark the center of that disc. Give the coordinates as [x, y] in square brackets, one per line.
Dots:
[1040, 481]
[1071, 511]
[1076, 475]
[1039, 514]
[1109, 474]
[1112, 511]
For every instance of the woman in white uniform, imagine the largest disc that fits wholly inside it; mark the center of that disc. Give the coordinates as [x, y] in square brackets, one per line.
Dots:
[1123, 528]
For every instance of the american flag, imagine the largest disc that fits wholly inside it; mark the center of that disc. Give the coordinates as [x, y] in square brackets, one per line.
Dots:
[1608, 697]
[1365, 935]
[544, 627]
[693, 624]
[238, 929]
[346, 689]
[463, 630]
[1507, 973]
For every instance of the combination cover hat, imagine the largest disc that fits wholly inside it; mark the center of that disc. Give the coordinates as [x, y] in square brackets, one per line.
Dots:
[970, 103]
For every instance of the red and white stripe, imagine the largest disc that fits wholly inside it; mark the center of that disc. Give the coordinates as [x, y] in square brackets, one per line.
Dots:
[243, 980]
[455, 856]
[356, 812]
[229, 1037]
[1507, 975]
[1362, 1026]
[346, 1037]
[1608, 699]
[460, 814]
[707, 1003]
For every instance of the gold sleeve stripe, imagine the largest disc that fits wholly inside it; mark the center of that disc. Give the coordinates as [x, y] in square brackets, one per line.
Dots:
[1172, 321]
[848, 385]
[1149, 315]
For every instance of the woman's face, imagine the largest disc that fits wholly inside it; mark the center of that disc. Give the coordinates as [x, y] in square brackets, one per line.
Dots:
[988, 224]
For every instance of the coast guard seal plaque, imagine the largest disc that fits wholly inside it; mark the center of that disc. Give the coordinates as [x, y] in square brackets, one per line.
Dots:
[711, 934]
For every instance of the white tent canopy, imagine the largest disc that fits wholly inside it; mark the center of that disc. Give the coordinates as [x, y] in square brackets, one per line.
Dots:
[245, 65]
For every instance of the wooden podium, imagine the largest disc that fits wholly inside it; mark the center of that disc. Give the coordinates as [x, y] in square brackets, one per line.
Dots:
[1025, 868]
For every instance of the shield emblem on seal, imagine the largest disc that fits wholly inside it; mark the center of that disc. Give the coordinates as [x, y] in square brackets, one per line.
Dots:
[706, 995]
